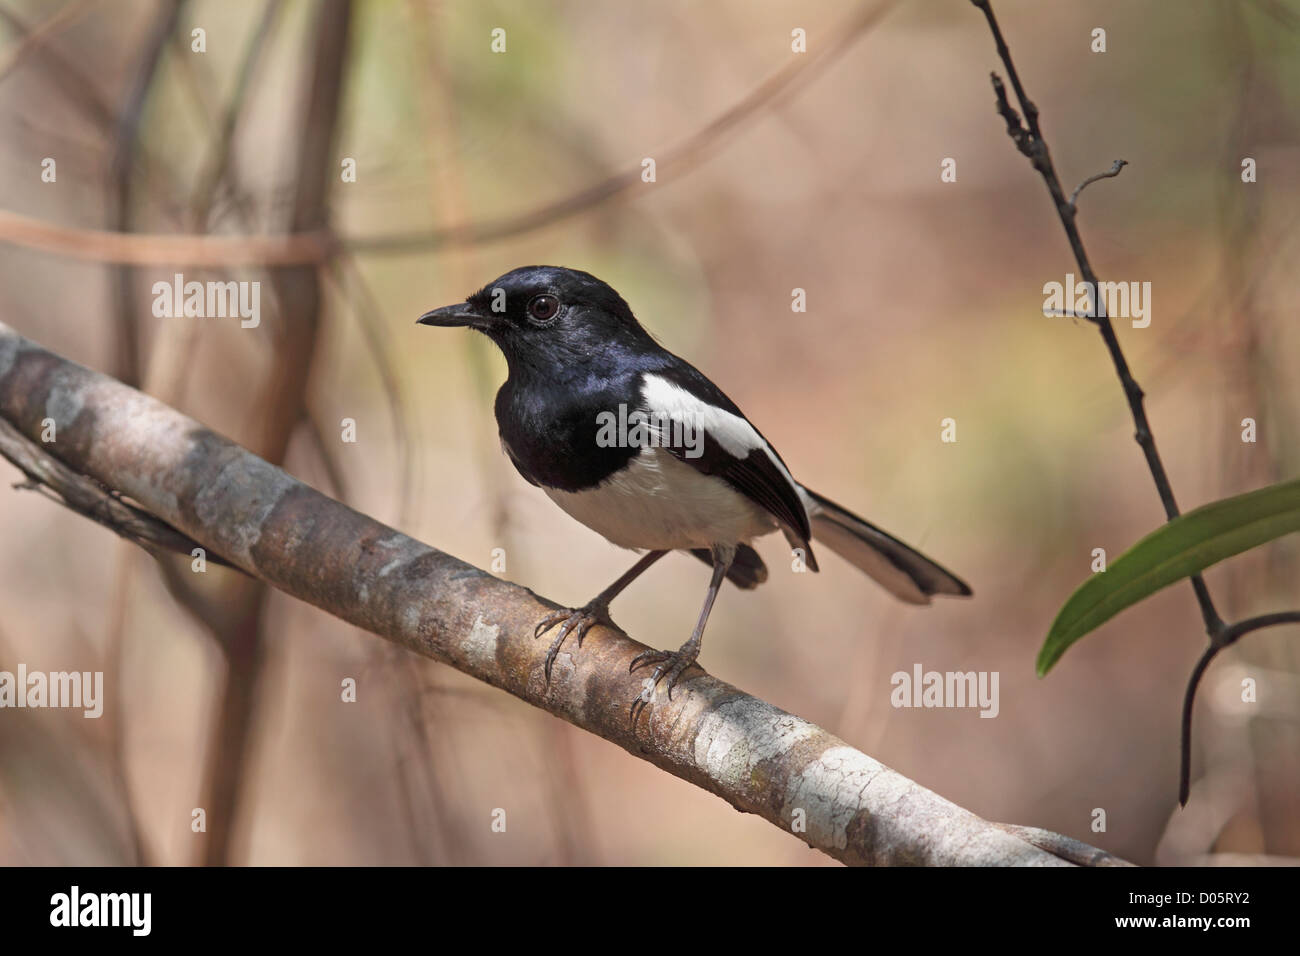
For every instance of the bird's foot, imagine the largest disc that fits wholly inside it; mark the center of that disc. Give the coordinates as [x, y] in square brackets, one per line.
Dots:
[576, 621]
[669, 664]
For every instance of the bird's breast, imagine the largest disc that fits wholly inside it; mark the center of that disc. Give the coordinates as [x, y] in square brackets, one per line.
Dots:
[659, 503]
[552, 435]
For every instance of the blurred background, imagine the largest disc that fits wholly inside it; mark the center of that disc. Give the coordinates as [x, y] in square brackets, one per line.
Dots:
[775, 170]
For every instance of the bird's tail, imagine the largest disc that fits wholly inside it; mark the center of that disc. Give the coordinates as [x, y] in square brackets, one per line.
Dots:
[903, 571]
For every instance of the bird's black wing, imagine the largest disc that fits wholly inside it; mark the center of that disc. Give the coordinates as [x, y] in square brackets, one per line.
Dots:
[732, 448]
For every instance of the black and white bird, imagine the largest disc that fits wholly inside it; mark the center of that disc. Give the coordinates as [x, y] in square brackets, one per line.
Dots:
[641, 447]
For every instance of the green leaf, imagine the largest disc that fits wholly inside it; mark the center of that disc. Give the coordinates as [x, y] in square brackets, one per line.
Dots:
[1188, 544]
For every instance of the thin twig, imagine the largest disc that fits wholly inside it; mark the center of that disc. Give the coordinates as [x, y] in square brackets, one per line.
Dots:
[1113, 171]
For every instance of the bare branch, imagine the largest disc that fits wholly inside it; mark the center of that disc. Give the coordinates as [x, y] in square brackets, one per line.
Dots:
[758, 758]
[1030, 142]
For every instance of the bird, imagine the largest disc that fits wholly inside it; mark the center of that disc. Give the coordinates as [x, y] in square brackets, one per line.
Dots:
[640, 446]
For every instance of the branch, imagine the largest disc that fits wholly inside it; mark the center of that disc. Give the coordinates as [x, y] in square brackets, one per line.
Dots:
[756, 757]
[1030, 142]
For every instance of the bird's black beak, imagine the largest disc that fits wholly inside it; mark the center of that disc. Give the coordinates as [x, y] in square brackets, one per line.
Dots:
[450, 316]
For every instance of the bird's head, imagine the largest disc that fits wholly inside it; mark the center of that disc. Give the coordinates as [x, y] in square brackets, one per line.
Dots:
[540, 311]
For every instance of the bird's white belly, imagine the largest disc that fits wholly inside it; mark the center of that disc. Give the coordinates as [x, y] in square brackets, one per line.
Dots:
[662, 504]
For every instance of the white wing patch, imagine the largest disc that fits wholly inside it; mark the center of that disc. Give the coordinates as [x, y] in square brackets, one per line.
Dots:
[736, 436]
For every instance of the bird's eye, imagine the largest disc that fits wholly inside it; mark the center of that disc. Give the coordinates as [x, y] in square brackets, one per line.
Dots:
[543, 307]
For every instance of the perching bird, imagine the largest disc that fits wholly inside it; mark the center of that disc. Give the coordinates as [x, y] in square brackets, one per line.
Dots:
[697, 476]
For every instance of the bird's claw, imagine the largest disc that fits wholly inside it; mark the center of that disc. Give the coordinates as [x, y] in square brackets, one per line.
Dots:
[669, 664]
[576, 621]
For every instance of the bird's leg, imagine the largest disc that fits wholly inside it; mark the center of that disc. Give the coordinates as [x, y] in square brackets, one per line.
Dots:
[672, 663]
[596, 611]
